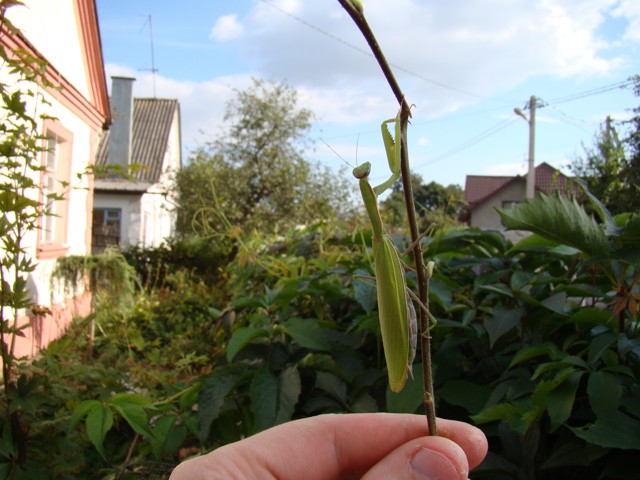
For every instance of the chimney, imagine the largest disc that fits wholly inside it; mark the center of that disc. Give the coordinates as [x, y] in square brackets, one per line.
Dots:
[122, 114]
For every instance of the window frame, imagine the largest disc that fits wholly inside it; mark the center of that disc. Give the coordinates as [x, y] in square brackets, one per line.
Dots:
[56, 245]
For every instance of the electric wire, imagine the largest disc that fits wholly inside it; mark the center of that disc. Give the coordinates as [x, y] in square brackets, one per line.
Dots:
[470, 142]
[369, 54]
[589, 93]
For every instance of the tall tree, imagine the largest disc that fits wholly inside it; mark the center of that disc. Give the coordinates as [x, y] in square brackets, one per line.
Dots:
[631, 196]
[435, 203]
[255, 174]
[611, 168]
[602, 167]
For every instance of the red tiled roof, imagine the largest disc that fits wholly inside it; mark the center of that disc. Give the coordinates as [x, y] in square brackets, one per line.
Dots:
[480, 187]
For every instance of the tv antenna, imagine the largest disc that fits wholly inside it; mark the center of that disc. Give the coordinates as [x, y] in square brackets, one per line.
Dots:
[153, 68]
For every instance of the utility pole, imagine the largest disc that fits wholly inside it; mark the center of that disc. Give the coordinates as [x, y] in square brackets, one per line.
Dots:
[531, 174]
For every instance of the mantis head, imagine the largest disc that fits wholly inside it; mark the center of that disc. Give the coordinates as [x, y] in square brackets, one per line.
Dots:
[362, 171]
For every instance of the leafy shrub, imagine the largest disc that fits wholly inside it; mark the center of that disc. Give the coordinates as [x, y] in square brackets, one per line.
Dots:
[203, 257]
[538, 342]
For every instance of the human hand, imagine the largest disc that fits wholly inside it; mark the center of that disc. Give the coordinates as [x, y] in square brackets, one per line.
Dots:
[369, 446]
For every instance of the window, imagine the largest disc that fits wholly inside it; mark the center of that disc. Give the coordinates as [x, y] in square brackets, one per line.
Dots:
[49, 180]
[510, 203]
[56, 169]
[506, 204]
[106, 228]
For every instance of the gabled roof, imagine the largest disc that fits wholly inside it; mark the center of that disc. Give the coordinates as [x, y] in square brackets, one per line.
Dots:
[152, 120]
[479, 188]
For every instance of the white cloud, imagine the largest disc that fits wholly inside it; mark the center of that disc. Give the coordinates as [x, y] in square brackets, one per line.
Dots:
[446, 55]
[227, 28]
[476, 47]
[202, 104]
[630, 9]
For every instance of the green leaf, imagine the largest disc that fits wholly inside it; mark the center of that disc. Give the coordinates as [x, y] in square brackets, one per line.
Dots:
[605, 392]
[365, 403]
[630, 235]
[410, 398]
[568, 361]
[500, 411]
[599, 345]
[82, 410]
[332, 385]
[468, 395]
[214, 390]
[561, 399]
[614, 430]
[131, 406]
[242, 337]
[99, 421]
[264, 398]
[289, 389]
[273, 399]
[125, 399]
[504, 320]
[162, 433]
[307, 333]
[602, 211]
[590, 316]
[533, 241]
[364, 292]
[527, 353]
[558, 219]
[556, 303]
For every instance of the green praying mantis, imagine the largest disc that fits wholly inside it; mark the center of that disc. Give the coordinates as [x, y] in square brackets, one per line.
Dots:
[398, 324]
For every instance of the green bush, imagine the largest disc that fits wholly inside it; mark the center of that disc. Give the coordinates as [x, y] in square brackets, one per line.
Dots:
[203, 257]
[537, 343]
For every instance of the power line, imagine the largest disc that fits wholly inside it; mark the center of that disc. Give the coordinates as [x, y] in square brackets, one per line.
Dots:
[566, 118]
[469, 143]
[589, 93]
[369, 54]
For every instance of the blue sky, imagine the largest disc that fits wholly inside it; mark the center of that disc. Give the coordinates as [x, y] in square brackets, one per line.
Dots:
[465, 66]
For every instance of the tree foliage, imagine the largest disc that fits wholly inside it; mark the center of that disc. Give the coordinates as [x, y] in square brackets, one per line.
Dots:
[632, 144]
[435, 203]
[255, 175]
[611, 167]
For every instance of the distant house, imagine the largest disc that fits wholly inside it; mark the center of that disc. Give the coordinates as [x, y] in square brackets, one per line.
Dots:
[144, 141]
[65, 34]
[483, 193]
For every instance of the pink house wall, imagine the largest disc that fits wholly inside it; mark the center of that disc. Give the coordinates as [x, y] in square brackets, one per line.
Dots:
[43, 329]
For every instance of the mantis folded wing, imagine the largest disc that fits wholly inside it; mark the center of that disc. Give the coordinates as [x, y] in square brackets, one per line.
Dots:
[398, 324]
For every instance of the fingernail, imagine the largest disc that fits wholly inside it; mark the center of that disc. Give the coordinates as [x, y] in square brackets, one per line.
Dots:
[431, 465]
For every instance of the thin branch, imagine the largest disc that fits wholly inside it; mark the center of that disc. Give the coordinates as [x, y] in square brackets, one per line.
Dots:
[423, 282]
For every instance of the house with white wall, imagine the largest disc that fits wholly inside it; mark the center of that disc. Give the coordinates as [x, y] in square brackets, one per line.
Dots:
[132, 202]
[482, 193]
[64, 34]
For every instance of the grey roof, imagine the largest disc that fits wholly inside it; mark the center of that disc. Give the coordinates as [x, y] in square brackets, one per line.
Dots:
[152, 119]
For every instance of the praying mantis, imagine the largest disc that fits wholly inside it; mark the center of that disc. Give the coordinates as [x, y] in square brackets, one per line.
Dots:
[398, 324]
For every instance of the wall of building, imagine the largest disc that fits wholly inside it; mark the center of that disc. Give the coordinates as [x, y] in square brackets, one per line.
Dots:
[485, 215]
[52, 28]
[130, 205]
[56, 35]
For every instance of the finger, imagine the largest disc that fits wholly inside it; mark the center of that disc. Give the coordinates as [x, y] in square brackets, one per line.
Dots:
[423, 459]
[328, 446]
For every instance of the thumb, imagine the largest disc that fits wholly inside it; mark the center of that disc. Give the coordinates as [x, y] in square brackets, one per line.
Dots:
[425, 458]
